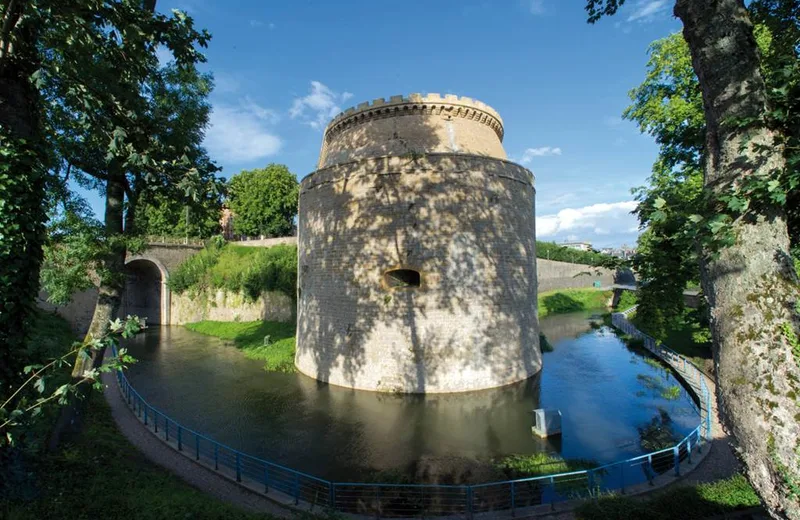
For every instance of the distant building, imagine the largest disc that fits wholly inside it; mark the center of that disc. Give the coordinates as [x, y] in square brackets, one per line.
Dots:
[623, 252]
[580, 246]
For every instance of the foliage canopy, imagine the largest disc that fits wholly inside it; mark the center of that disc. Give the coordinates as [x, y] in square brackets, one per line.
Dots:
[264, 201]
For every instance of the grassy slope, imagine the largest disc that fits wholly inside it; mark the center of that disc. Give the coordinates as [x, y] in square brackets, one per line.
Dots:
[678, 503]
[249, 337]
[572, 300]
[100, 475]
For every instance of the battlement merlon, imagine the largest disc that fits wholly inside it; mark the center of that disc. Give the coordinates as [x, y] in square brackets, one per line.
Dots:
[432, 99]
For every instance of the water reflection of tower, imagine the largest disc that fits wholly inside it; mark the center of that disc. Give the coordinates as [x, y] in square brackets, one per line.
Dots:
[426, 435]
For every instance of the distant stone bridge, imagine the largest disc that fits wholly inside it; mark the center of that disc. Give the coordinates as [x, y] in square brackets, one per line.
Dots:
[146, 290]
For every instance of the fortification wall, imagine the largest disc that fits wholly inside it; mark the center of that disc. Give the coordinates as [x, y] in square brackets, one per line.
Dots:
[267, 242]
[465, 223]
[562, 275]
[227, 306]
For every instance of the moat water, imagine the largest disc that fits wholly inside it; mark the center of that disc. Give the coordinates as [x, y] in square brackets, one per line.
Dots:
[614, 406]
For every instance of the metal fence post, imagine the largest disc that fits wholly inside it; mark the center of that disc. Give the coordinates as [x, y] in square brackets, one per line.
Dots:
[677, 457]
[166, 429]
[155, 420]
[332, 496]
[689, 449]
[513, 499]
[469, 501]
[238, 468]
[216, 456]
[180, 438]
[145, 416]
[296, 488]
[197, 446]
[266, 478]
[590, 481]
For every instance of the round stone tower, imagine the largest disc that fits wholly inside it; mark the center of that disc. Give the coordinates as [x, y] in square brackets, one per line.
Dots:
[417, 260]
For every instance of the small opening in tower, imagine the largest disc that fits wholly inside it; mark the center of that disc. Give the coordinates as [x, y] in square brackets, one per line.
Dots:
[402, 278]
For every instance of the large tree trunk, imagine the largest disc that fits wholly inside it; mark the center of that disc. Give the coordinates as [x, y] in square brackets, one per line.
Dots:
[109, 298]
[22, 186]
[112, 278]
[751, 286]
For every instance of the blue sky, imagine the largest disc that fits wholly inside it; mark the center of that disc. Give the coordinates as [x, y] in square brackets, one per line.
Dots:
[283, 69]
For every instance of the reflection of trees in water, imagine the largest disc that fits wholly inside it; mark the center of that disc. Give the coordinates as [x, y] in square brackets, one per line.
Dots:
[564, 326]
[658, 433]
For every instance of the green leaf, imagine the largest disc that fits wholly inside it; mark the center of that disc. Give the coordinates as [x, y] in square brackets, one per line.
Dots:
[738, 204]
[659, 203]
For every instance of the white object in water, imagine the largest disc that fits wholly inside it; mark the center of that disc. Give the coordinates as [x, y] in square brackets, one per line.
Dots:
[546, 422]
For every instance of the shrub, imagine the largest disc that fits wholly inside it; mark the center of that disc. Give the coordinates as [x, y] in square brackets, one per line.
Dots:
[538, 464]
[250, 271]
[627, 299]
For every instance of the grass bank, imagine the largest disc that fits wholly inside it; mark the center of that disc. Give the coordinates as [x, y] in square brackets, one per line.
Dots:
[678, 503]
[269, 341]
[99, 474]
[573, 300]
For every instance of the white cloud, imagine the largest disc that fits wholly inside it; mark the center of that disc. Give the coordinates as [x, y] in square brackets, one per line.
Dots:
[597, 219]
[267, 115]
[647, 10]
[530, 153]
[271, 26]
[536, 7]
[319, 106]
[256, 23]
[240, 133]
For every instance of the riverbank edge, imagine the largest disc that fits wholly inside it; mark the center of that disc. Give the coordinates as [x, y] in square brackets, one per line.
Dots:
[251, 496]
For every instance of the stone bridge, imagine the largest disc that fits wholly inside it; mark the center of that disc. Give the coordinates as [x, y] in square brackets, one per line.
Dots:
[146, 291]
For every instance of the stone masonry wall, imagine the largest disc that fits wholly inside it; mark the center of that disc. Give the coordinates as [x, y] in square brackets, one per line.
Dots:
[466, 224]
[554, 275]
[226, 306]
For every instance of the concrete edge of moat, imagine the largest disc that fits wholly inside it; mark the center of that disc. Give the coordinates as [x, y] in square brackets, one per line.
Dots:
[249, 494]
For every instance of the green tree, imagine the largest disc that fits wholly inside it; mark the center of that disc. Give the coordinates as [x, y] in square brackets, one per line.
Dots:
[748, 159]
[160, 154]
[193, 217]
[264, 201]
[113, 120]
[668, 105]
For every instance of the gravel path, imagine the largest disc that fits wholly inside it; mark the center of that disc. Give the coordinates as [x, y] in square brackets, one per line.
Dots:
[196, 475]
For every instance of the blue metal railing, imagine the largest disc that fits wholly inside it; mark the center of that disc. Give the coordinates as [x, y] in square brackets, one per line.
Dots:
[422, 500]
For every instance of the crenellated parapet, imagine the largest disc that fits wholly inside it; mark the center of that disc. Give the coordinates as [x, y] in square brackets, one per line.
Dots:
[415, 125]
[417, 104]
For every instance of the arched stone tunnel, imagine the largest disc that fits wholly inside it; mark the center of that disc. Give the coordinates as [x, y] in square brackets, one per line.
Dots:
[146, 290]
